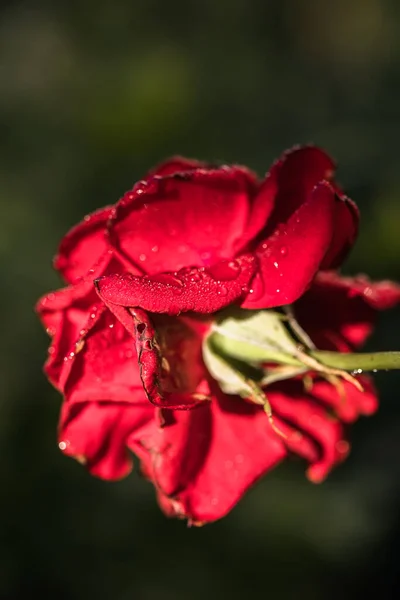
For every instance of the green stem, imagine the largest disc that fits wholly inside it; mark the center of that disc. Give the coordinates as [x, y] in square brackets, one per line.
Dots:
[366, 361]
[257, 353]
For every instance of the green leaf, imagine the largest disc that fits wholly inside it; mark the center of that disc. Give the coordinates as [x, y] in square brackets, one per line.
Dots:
[255, 336]
[231, 375]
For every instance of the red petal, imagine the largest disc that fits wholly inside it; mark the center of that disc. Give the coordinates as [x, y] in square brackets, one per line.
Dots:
[181, 384]
[205, 460]
[295, 175]
[345, 232]
[202, 290]
[104, 363]
[83, 246]
[347, 401]
[292, 404]
[291, 256]
[96, 434]
[65, 313]
[339, 312]
[192, 218]
[177, 164]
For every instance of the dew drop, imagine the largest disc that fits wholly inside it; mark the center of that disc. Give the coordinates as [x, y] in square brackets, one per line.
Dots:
[357, 372]
[278, 291]
[63, 445]
[142, 257]
[195, 276]
[51, 350]
[284, 251]
[374, 370]
[111, 326]
[224, 271]
[50, 330]
[177, 291]
[234, 265]
[342, 446]
[154, 249]
[276, 265]
[222, 291]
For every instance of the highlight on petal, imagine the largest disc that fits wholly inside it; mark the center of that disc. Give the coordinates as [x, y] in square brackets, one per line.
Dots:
[192, 218]
[291, 256]
[83, 246]
[202, 290]
[339, 312]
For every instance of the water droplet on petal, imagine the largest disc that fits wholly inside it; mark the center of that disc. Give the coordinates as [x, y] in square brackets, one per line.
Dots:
[225, 270]
[142, 257]
[50, 331]
[276, 265]
[195, 276]
[284, 251]
[154, 249]
[63, 445]
[51, 350]
[343, 447]
[111, 326]
[222, 291]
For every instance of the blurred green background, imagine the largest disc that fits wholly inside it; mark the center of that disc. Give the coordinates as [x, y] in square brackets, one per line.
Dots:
[92, 95]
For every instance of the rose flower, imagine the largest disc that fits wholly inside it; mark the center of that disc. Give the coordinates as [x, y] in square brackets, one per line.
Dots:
[150, 276]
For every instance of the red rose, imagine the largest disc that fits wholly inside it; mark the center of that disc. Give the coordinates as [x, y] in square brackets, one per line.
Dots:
[146, 277]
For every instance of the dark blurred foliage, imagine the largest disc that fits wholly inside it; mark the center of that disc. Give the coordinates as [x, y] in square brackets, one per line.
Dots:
[93, 94]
